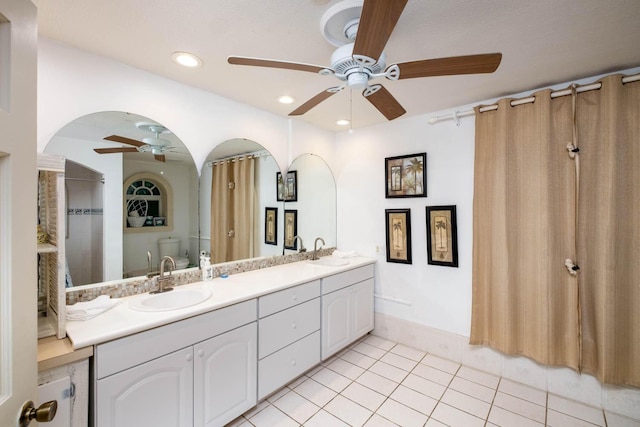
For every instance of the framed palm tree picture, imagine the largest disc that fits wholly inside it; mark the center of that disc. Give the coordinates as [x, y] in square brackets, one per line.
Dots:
[442, 236]
[406, 176]
[398, 226]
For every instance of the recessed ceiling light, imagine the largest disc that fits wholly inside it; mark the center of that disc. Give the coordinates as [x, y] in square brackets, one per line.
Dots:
[342, 122]
[286, 99]
[186, 59]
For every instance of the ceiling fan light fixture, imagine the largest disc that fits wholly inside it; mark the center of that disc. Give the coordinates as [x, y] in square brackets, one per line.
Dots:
[186, 59]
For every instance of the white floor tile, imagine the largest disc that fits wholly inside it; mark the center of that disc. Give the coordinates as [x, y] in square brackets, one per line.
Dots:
[272, 417]
[503, 418]
[358, 359]
[472, 389]
[454, 417]
[433, 374]
[296, 406]
[324, 419]
[364, 396]
[479, 377]
[471, 405]
[576, 409]
[445, 365]
[408, 352]
[615, 420]
[348, 411]
[414, 400]
[559, 419]
[377, 383]
[333, 380]
[389, 371]
[401, 415]
[398, 361]
[369, 350]
[346, 369]
[424, 386]
[379, 342]
[520, 406]
[315, 392]
[377, 421]
[434, 423]
[259, 407]
[537, 396]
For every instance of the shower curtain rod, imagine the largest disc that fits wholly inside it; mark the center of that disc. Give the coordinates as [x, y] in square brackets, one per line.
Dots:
[456, 115]
[237, 156]
[101, 180]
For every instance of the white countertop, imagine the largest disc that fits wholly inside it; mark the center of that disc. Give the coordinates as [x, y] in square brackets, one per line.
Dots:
[121, 320]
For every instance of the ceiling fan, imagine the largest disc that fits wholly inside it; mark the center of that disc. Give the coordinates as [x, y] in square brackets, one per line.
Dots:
[155, 145]
[366, 27]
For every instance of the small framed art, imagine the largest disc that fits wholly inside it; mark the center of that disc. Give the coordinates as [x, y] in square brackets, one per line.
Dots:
[398, 230]
[406, 176]
[287, 186]
[159, 221]
[290, 229]
[442, 236]
[271, 226]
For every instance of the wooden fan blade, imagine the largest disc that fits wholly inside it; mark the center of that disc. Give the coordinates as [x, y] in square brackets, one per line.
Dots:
[385, 102]
[115, 150]
[159, 157]
[123, 140]
[312, 102]
[470, 64]
[377, 21]
[270, 63]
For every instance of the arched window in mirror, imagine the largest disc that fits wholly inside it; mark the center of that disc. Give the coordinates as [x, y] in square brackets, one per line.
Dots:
[148, 199]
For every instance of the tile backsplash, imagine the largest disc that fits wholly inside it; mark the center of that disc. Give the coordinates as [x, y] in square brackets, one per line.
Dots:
[128, 287]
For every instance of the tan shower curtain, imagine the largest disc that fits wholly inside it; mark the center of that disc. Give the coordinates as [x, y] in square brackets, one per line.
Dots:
[232, 209]
[525, 301]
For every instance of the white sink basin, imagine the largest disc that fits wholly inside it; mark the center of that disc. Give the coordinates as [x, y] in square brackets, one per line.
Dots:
[172, 300]
[329, 261]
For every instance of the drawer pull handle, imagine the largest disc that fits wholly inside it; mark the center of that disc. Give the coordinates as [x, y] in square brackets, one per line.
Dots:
[293, 363]
[189, 357]
[293, 325]
[294, 297]
[200, 353]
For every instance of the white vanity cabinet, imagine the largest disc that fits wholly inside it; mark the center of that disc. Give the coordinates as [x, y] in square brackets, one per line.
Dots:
[198, 371]
[347, 308]
[288, 334]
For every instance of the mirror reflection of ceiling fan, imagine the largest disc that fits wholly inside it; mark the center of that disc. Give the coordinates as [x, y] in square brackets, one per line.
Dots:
[155, 145]
[361, 31]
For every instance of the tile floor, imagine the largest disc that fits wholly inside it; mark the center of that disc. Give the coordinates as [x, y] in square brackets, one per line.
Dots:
[378, 383]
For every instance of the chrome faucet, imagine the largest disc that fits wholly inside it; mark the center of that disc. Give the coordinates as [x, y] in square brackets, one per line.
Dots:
[302, 248]
[315, 248]
[164, 280]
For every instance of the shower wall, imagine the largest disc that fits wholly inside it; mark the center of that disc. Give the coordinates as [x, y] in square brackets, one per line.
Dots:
[84, 240]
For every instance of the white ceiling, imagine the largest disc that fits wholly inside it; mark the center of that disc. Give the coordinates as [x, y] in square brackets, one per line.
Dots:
[543, 42]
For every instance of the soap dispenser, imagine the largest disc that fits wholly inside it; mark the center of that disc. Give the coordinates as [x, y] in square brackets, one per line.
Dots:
[207, 269]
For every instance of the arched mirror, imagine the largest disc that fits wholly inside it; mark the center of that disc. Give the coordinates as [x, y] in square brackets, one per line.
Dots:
[314, 208]
[120, 166]
[240, 216]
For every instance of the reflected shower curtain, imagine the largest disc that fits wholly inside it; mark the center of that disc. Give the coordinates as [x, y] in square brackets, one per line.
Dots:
[528, 220]
[232, 209]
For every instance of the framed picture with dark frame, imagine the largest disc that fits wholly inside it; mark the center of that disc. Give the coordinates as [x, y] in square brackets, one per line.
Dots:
[290, 229]
[442, 236]
[406, 176]
[159, 221]
[287, 187]
[398, 230]
[271, 226]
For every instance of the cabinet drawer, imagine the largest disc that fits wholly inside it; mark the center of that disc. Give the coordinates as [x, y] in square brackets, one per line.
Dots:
[286, 298]
[283, 366]
[283, 328]
[347, 278]
[124, 353]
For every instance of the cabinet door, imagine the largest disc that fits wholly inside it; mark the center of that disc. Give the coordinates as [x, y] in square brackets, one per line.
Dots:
[361, 308]
[225, 376]
[157, 393]
[335, 321]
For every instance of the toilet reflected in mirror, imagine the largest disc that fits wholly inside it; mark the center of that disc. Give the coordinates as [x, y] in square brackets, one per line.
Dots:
[170, 246]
